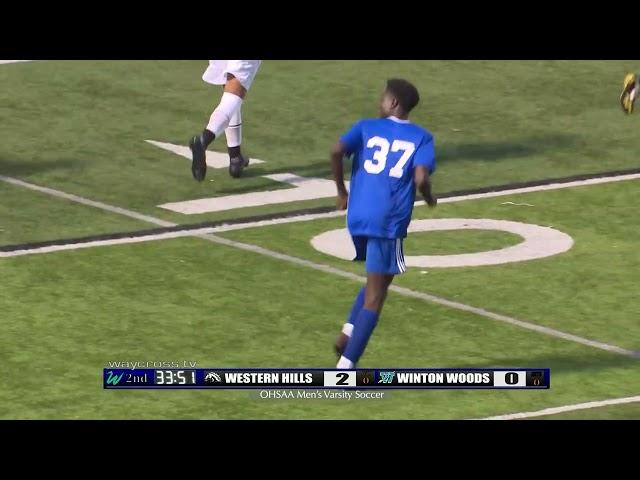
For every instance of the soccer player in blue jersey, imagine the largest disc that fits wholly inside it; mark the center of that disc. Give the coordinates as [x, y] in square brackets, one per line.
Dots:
[392, 157]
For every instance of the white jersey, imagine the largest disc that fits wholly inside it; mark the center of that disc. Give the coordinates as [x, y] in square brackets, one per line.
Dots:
[244, 70]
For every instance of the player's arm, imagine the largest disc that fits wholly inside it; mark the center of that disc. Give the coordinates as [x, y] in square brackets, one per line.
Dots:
[349, 142]
[338, 151]
[423, 184]
[424, 166]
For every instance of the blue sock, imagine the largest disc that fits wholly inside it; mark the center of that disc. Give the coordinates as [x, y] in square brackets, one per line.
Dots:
[358, 303]
[364, 325]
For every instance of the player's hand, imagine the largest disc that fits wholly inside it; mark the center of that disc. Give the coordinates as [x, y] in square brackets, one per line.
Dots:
[342, 201]
[432, 201]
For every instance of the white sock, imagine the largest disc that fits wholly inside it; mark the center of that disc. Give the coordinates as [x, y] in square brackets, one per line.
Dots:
[345, 363]
[347, 329]
[221, 116]
[234, 131]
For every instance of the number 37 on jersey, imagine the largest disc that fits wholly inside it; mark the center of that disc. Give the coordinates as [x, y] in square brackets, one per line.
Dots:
[381, 152]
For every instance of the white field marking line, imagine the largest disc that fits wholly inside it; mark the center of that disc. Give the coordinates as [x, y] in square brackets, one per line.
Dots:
[311, 216]
[536, 242]
[318, 216]
[427, 297]
[212, 159]
[540, 188]
[104, 243]
[5, 62]
[566, 408]
[327, 269]
[86, 201]
[461, 198]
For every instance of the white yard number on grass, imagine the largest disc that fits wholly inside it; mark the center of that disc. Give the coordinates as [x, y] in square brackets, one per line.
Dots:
[379, 161]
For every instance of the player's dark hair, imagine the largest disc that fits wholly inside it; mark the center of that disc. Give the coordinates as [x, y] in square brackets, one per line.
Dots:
[404, 91]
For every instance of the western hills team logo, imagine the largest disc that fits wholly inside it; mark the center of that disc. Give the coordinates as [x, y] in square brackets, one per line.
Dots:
[212, 377]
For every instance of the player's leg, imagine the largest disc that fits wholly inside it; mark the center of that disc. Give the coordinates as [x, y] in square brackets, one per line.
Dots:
[233, 132]
[367, 318]
[347, 328]
[244, 72]
[385, 259]
[629, 93]
[230, 103]
[360, 244]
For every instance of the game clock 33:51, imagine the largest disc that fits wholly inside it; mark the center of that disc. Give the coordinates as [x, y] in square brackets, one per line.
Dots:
[175, 377]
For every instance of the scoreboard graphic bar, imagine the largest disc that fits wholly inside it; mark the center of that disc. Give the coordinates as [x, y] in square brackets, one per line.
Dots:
[297, 378]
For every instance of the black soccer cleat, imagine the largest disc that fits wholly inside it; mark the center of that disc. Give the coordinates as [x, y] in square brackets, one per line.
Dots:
[237, 165]
[198, 158]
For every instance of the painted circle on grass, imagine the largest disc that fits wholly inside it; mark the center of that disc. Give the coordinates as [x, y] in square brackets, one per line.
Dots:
[538, 242]
[454, 242]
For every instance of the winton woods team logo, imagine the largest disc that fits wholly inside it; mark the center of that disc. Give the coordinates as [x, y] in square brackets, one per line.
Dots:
[114, 379]
[386, 377]
[212, 377]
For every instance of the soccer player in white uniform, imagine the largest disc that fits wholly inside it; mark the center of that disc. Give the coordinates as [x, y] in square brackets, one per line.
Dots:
[237, 77]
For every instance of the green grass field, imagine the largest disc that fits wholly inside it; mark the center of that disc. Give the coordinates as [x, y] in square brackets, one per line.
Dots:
[64, 315]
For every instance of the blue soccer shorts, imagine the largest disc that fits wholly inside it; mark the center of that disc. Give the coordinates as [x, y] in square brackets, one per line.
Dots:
[381, 255]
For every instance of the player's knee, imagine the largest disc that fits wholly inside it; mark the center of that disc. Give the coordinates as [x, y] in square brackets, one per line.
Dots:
[373, 300]
[234, 86]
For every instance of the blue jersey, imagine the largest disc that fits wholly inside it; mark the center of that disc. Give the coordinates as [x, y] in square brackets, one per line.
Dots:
[385, 153]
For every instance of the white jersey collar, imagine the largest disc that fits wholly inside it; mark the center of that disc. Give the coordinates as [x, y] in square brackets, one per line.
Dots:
[396, 119]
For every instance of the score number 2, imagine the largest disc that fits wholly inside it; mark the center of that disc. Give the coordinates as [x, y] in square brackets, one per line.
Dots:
[379, 161]
[340, 379]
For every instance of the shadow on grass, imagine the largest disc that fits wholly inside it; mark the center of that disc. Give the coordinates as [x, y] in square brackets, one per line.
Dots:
[13, 168]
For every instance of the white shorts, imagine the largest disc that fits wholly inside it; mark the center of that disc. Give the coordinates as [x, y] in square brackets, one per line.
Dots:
[244, 70]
